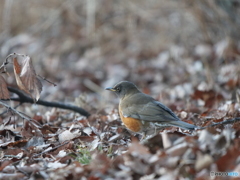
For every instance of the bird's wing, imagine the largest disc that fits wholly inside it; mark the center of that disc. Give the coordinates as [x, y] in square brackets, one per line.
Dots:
[150, 111]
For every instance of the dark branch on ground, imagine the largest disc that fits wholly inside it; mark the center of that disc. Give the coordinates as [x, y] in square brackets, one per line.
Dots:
[49, 150]
[22, 98]
[228, 121]
[20, 114]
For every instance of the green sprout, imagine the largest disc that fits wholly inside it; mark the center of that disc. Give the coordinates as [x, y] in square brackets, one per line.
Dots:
[83, 156]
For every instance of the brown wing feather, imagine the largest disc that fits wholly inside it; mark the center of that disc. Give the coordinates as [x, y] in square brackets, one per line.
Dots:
[144, 107]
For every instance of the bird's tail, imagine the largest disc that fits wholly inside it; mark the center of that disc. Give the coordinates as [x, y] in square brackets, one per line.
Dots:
[183, 125]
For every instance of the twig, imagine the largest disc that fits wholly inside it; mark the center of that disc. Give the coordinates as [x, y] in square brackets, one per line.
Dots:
[7, 109]
[45, 79]
[15, 111]
[25, 99]
[228, 121]
[49, 150]
[32, 121]
[25, 173]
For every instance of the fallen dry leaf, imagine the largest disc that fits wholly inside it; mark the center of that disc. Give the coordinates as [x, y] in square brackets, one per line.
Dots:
[209, 97]
[4, 94]
[122, 41]
[26, 77]
[228, 161]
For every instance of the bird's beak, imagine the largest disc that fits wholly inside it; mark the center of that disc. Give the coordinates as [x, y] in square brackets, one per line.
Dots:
[110, 89]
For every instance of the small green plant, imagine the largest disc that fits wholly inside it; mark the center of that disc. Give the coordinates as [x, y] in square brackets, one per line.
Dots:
[110, 151]
[83, 155]
[107, 150]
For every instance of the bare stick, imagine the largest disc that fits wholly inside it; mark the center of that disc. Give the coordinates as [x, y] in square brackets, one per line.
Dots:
[25, 99]
[228, 121]
[47, 80]
[15, 111]
[22, 115]
[49, 150]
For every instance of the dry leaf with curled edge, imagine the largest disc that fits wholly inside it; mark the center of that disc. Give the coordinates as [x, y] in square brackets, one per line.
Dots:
[4, 93]
[26, 77]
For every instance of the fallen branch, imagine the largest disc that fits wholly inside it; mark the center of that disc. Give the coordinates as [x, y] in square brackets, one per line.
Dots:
[22, 98]
[15, 111]
[228, 121]
[22, 115]
[49, 150]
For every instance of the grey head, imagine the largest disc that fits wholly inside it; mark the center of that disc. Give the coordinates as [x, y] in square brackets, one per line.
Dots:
[124, 88]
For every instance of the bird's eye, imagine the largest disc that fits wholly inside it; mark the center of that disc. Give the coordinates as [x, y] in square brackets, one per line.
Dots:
[118, 89]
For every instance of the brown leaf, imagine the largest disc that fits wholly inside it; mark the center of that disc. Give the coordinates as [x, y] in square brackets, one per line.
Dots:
[26, 76]
[228, 161]
[137, 148]
[216, 115]
[18, 144]
[4, 94]
[4, 164]
[210, 97]
[100, 162]
[30, 129]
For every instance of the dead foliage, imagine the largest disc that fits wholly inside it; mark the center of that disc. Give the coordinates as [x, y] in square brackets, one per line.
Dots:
[183, 53]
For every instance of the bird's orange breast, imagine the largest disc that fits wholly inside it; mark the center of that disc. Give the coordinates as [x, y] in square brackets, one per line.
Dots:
[132, 124]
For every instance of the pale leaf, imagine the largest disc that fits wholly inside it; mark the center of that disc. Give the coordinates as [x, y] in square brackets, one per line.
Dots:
[26, 77]
[4, 93]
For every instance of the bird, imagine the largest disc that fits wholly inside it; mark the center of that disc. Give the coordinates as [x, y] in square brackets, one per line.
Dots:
[142, 114]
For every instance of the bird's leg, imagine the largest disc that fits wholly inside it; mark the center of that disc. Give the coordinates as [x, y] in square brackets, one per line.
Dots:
[143, 136]
[154, 134]
[155, 131]
[146, 137]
